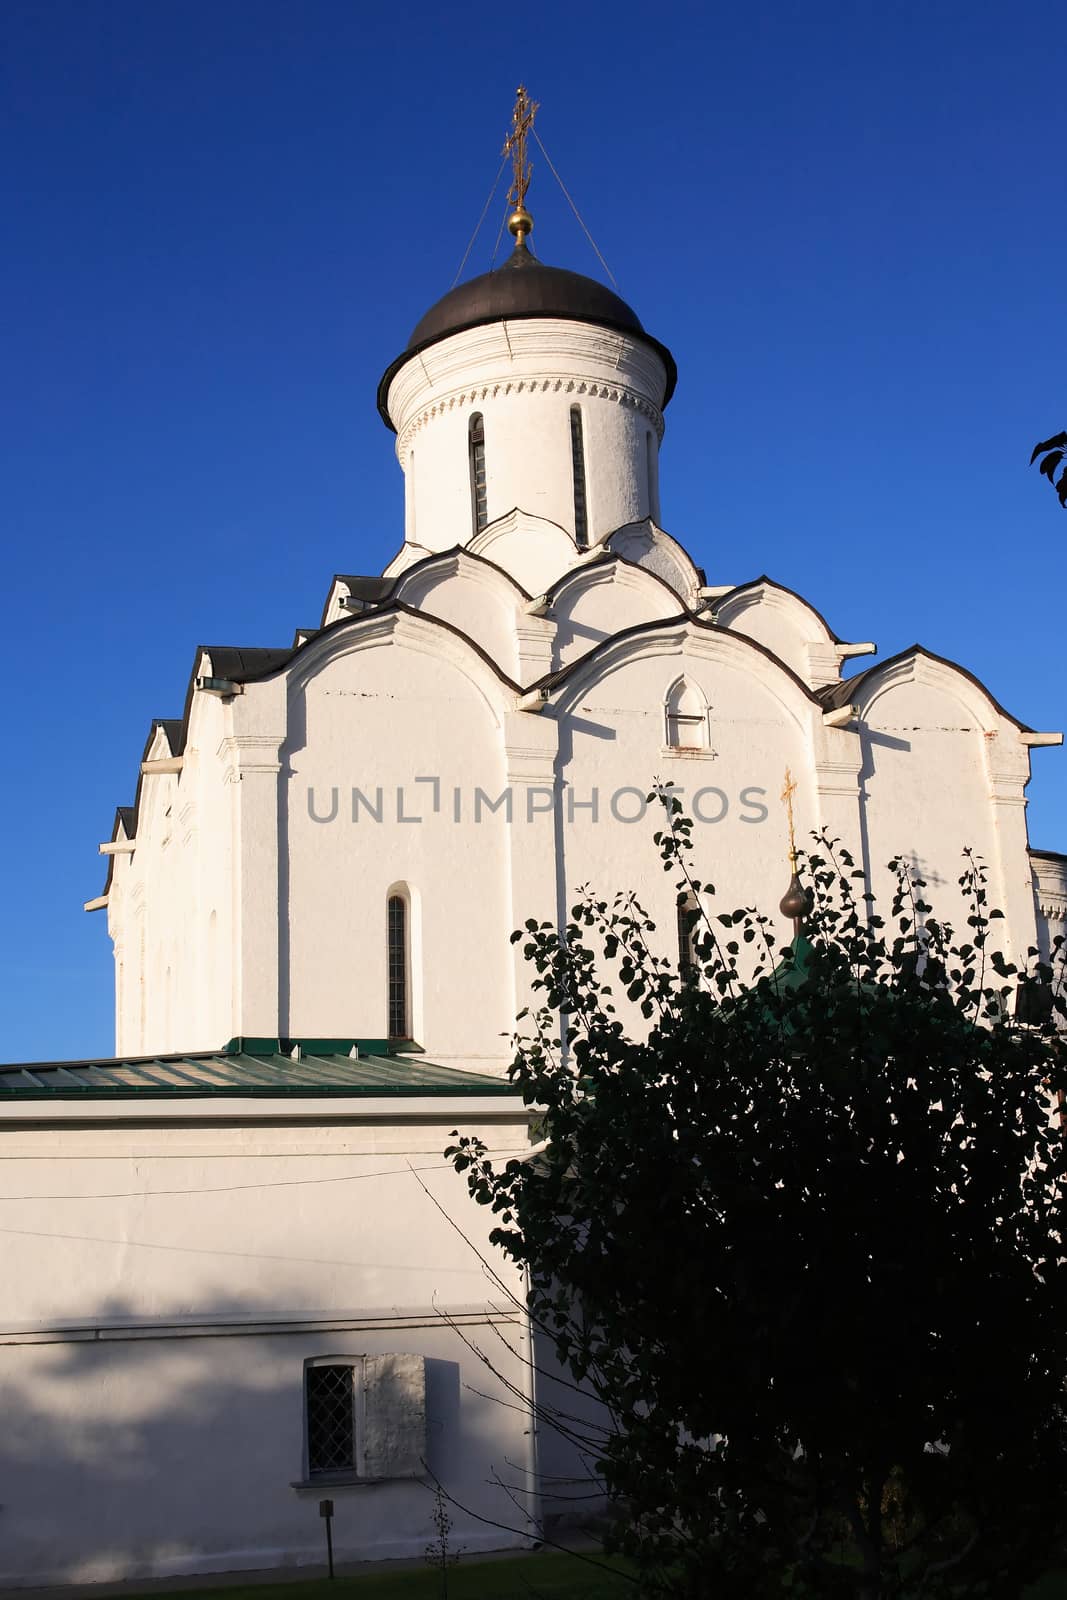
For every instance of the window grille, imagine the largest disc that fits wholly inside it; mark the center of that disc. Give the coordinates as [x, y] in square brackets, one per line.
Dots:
[686, 733]
[476, 450]
[397, 956]
[581, 516]
[365, 1417]
[330, 1419]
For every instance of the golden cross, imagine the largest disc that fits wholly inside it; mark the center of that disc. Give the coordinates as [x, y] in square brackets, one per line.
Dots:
[522, 119]
[787, 795]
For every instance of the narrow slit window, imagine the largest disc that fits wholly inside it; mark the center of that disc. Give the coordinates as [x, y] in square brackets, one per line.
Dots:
[409, 533]
[686, 945]
[398, 967]
[476, 450]
[581, 514]
[652, 475]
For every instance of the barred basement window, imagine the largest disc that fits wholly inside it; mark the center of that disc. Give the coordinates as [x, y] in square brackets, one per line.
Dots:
[397, 959]
[581, 516]
[365, 1418]
[476, 451]
[331, 1419]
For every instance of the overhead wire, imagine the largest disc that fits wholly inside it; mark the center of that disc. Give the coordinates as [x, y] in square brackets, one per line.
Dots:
[499, 236]
[574, 208]
[233, 1188]
[481, 219]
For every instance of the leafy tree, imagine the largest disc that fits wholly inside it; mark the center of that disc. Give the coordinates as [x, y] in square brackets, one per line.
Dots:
[1054, 451]
[801, 1236]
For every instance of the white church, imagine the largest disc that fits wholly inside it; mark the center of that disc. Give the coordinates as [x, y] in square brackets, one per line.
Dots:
[239, 1277]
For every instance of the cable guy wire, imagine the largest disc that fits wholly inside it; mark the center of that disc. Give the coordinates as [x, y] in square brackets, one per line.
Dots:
[481, 219]
[574, 208]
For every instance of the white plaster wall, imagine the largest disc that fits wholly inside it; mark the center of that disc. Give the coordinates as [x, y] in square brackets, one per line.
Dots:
[199, 895]
[391, 703]
[533, 551]
[602, 600]
[212, 938]
[523, 377]
[930, 750]
[785, 626]
[154, 1341]
[272, 923]
[483, 604]
[612, 738]
[646, 545]
[177, 979]
[1050, 895]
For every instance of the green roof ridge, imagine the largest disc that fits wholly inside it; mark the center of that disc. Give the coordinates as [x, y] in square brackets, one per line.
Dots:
[250, 1068]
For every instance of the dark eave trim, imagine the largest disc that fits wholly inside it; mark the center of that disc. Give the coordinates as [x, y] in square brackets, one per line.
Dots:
[553, 680]
[843, 693]
[606, 556]
[771, 583]
[424, 562]
[280, 659]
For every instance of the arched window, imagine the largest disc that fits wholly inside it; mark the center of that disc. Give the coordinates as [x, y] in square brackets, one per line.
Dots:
[409, 498]
[652, 474]
[476, 451]
[581, 513]
[398, 967]
[688, 911]
[687, 717]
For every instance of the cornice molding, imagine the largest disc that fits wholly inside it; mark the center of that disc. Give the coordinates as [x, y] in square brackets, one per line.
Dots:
[507, 388]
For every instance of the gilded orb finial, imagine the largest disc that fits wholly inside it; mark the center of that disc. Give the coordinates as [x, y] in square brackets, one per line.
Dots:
[520, 223]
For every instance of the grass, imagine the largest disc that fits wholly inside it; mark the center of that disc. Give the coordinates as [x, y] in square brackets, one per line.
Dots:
[533, 1577]
[536, 1577]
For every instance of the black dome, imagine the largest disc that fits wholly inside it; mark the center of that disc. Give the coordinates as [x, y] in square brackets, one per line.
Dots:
[524, 287]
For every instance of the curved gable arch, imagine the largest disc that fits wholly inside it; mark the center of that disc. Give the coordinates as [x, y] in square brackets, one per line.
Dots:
[704, 640]
[945, 769]
[609, 567]
[809, 623]
[398, 624]
[603, 597]
[917, 665]
[463, 561]
[787, 623]
[647, 545]
[533, 550]
[472, 594]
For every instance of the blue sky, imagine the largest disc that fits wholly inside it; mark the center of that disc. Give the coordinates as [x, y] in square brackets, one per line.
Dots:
[222, 221]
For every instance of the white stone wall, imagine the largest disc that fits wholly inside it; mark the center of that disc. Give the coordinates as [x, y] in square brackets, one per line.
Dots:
[156, 1324]
[1050, 895]
[524, 377]
[397, 750]
[173, 911]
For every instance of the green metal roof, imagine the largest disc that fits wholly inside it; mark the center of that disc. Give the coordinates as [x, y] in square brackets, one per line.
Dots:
[267, 1068]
